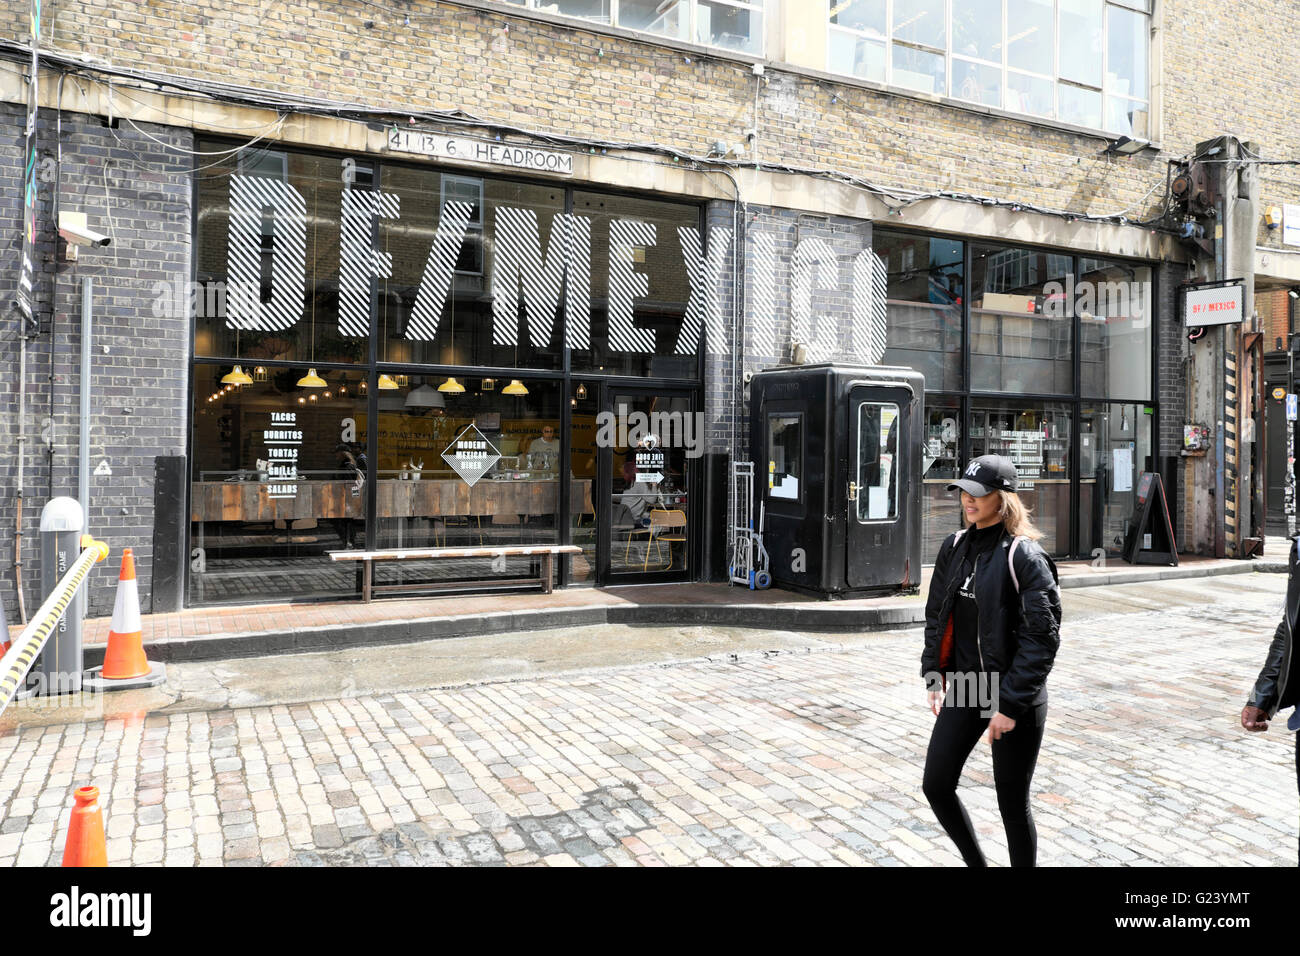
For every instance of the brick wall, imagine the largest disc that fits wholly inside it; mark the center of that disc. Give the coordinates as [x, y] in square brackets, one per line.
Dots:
[1225, 68]
[137, 191]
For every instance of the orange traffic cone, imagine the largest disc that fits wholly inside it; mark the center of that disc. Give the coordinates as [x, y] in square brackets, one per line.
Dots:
[125, 654]
[85, 846]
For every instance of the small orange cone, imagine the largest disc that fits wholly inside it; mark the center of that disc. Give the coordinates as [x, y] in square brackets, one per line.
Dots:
[125, 654]
[85, 846]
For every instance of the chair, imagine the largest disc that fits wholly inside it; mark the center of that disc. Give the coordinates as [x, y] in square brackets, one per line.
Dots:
[669, 526]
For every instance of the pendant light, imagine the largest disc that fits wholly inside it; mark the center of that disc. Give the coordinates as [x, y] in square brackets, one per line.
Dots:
[515, 387]
[259, 374]
[386, 383]
[426, 396]
[582, 392]
[453, 387]
[311, 380]
[237, 377]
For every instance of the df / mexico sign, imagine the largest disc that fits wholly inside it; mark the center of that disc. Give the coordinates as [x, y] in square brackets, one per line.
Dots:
[1220, 303]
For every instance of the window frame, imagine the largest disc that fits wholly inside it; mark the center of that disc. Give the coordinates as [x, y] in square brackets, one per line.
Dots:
[1109, 99]
[754, 7]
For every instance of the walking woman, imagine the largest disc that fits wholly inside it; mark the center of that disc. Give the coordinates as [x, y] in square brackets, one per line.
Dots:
[992, 619]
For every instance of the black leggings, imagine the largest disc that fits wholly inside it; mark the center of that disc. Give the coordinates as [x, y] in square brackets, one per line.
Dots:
[956, 731]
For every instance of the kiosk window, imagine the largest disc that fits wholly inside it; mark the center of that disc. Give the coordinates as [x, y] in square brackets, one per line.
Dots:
[877, 457]
[785, 455]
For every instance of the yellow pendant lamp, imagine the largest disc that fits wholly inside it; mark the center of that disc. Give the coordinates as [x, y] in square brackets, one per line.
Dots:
[515, 387]
[237, 377]
[452, 386]
[386, 383]
[311, 380]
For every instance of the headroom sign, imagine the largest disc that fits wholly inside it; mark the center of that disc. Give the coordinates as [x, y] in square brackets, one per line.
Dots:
[498, 154]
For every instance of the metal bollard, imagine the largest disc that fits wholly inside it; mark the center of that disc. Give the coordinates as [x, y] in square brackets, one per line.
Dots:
[58, 669]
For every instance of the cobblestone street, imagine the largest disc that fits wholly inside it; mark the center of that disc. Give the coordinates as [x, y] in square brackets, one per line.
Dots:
[796, 757]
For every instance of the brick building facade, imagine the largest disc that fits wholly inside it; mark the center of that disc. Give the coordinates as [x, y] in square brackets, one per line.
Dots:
[976, 198]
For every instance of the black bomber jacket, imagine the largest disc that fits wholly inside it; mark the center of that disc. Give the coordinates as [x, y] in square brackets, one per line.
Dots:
[1277, 686]
[1018, 633]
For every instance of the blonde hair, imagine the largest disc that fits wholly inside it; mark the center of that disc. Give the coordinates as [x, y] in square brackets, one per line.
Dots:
[1015, 516]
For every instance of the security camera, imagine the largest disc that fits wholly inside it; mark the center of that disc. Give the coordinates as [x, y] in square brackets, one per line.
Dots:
[73, 228]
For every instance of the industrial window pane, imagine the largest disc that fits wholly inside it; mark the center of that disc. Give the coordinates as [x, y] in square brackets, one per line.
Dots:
[1029, 94]
[785, 446]
[852, 54]
[1080, 106]
[919, 70]
[1079, 39]
[670, 19]
[1114, 302]
[1036, 436]
[1127, 42]
[977, 29]
[1021, 332]
[877, 477]
[977, 82]
[920, 21]
[1128, 117]
[924, 297]
[726, 25]
[597, 10]
[1029, 35]
[867, 16]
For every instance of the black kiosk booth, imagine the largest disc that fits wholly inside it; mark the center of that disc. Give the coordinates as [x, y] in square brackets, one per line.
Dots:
[837, 464]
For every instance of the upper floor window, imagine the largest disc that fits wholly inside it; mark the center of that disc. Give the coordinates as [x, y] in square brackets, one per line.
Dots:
[1078, 61]
[730, 24]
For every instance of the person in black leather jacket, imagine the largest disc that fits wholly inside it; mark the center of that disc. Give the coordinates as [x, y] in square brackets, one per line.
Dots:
[992, 623]
[1278, 684]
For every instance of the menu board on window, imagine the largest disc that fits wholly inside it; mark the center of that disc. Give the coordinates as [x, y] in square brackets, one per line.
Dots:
[283, 441]
[1025, 449]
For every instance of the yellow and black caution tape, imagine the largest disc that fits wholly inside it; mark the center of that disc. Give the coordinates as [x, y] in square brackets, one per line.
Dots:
[29, 644]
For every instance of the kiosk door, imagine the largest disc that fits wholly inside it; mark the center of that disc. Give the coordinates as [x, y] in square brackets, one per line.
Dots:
[879, 492]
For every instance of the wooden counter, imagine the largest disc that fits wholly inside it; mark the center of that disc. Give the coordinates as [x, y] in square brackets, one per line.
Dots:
[248, 500]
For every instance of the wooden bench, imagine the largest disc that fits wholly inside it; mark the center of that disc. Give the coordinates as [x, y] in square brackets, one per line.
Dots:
[546, 552]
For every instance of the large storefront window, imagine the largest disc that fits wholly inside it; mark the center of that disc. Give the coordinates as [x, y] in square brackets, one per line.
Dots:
[278, 480]
[469, 469]
[1021, 329]
[926, 287]
[395, 344]
[1114, 302]
[639, 297]
[448, 311]
[268, 280]
[1036, 437]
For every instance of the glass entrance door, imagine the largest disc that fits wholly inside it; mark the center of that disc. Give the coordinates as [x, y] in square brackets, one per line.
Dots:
[649, 441]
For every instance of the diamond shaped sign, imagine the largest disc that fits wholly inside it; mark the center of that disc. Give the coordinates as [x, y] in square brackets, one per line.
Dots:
[471, 455]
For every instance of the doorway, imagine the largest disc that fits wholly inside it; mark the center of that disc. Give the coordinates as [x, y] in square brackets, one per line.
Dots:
[646, 442]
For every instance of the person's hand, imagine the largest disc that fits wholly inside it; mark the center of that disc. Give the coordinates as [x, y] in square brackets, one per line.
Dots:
[936, 701]
[1254, 719]
[999, 725]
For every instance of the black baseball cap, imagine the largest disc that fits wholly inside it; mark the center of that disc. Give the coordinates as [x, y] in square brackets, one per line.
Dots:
[986, 474]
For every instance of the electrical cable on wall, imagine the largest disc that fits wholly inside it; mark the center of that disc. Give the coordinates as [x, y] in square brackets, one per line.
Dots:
[288, 102]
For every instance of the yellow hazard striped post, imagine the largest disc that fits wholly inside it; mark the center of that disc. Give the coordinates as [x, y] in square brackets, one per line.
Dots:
[29, 644]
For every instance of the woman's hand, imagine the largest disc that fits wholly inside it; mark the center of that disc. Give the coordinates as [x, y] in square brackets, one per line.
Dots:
[936, 697]
[999, 725]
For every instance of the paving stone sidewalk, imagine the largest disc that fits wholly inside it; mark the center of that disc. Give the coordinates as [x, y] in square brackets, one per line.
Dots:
[793, 758]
